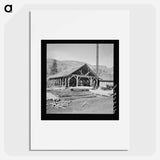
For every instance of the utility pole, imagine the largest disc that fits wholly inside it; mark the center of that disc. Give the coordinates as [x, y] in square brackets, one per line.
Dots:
[97, 58]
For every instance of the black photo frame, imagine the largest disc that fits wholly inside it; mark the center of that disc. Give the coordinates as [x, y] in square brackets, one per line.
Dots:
[45, 116]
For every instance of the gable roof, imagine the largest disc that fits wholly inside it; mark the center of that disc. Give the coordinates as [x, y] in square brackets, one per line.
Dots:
[67, 72]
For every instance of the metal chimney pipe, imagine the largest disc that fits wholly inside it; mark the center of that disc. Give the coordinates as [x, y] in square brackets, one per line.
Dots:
[97, 58]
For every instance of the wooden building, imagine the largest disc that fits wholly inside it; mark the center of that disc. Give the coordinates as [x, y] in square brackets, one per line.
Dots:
[81, 75]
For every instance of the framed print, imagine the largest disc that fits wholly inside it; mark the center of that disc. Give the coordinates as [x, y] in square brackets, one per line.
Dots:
[79, 80]
[72, 88]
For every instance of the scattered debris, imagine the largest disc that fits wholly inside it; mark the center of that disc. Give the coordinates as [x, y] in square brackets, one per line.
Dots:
[58, 103]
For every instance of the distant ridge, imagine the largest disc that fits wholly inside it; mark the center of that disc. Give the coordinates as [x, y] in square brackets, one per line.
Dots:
[104, 72]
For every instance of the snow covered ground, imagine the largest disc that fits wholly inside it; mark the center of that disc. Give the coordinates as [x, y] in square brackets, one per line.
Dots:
[51, 96]
[102, 92]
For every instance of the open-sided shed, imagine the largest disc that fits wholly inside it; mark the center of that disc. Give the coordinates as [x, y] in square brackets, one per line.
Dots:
[81, 75]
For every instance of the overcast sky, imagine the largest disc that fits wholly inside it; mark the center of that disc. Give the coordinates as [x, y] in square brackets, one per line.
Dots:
[82, 52]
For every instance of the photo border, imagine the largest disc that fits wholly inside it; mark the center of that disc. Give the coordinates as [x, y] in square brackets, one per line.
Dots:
[45, 116]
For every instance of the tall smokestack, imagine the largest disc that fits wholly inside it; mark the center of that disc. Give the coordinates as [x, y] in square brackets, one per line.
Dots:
[97, 58]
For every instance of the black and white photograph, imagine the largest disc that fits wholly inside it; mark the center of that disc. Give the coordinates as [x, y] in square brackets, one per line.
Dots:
[79, 78]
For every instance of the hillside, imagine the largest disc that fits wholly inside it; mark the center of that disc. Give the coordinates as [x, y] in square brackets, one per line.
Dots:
[104, 71]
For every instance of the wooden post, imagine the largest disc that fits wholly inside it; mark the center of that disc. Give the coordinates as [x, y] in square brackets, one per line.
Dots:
[77, 81]
[60, 81]
[68, 81]
[98, 83]
[65, 82]
[90, 81]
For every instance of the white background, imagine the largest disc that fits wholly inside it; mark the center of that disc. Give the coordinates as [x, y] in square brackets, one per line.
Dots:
[144, 38]
[79, 24]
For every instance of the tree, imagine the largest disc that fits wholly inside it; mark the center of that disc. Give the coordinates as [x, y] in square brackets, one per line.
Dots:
[54, 67]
